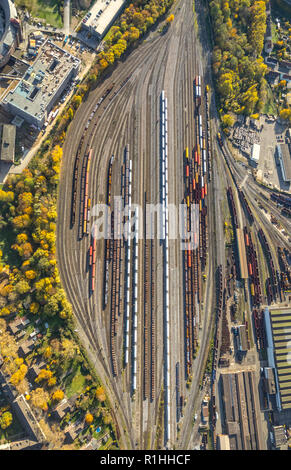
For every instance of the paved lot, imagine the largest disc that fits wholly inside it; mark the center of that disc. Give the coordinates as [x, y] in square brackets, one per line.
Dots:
[267, 168]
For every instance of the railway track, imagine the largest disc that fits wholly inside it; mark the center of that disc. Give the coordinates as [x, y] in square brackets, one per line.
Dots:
[101, 317]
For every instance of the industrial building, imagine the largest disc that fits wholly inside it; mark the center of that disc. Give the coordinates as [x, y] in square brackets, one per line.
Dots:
[7, 142]
[278, 332]
[10, 31]
[42, 85]
[240, 410]
[284, 158]
[255, 155]
[101, 16]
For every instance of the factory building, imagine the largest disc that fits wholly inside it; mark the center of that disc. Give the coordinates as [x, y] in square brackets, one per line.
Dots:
[284, 157]
[10, 31]
[240, 410]
[42, 85]
[278, 332]
[7, 142]
[101, 16]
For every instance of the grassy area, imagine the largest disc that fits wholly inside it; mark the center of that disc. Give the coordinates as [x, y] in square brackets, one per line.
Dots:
[270, 106]
[14, 431]
[274, 32]
[209, 362]
[195, 18]
[8, 255]
[45, 9]
[107, 444]
[75, 382]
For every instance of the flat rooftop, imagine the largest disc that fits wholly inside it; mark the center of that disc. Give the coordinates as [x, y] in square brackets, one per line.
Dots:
[240, 410]
[285, 160]
[42, 80]
[255, 155]
[102, 13]
[281, 331]
[8, 134]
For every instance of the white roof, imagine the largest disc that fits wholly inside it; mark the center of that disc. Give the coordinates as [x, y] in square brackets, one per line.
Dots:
[107, 11]
[256, 152]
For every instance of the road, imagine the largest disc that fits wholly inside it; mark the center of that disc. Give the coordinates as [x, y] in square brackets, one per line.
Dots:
[67, 15]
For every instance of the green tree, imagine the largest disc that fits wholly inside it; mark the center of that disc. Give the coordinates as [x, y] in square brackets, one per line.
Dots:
[6, 420]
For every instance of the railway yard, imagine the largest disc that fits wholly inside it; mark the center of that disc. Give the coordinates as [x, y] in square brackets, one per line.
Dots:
[146, 309]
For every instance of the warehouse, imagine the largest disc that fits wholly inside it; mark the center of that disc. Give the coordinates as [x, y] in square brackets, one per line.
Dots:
[43, 83]
[283, 152]
[255, 155]
[7, 135]
[101, 16]
[240, 410]
[278, 331]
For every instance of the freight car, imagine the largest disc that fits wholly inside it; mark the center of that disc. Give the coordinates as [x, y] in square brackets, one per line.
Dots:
[246, 206]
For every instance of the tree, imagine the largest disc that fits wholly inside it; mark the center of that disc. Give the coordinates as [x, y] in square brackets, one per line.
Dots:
[69, 348]
[34, 307]
[6, 420]
[100, 394]
[30, 274]
[76, 101]
[58, 395]
[47, 352]
[39, 398]
[19, 375]
[22, 287]
[257, 27]
[21, 221]
[285, 114]
[44, 374]
[6, 196]
[227, 120]
[170, 19]
[107, 418]
[89, 418]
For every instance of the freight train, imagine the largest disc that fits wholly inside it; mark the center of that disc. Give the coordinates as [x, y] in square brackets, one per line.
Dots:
[252, 261]
[273, 279]
[197, 91]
